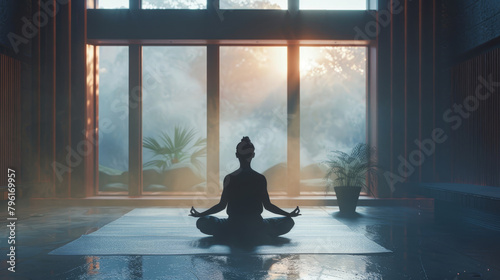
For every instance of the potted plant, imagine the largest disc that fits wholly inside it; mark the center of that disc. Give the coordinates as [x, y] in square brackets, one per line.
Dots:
[349, 173]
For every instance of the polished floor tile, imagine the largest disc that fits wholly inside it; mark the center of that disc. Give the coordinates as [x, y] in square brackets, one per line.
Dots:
[422, 249]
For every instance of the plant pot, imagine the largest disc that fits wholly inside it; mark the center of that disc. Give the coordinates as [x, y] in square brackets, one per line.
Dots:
[347, 198]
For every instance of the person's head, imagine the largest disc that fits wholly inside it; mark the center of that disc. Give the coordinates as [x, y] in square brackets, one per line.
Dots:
[245, 149]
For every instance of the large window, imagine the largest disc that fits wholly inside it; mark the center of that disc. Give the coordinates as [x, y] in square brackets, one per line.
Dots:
[253, 98]
[174, 119]
[253, 102]
[333, 107]
[113, 119]
[203, 91]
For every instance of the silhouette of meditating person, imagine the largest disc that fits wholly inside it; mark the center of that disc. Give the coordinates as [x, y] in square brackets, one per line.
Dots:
[245, 194]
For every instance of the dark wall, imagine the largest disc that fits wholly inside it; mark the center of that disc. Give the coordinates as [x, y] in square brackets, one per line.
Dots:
[10, 117]
[475, 136]
[472, 32]
[9, 12]
[470, 26]
[409, 94]
[11, 22]
[431, 55]
[14, 62]
[53, 98]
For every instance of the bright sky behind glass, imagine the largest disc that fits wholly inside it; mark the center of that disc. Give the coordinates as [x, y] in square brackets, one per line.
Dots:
[304, 4]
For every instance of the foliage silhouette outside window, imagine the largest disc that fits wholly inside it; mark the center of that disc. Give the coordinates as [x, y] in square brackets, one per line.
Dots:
[333, 107]
[174, 118]
[181, 147]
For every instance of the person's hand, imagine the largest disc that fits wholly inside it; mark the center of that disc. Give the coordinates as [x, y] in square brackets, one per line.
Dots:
[194, 213]
[295, 212]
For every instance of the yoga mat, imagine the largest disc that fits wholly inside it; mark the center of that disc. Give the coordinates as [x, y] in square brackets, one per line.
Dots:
[167, 231]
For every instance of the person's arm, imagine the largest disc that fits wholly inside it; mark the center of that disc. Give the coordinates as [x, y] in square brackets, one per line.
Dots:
[214, 209]
[266, 201]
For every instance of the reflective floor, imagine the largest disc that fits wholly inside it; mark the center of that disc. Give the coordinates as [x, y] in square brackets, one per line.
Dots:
[423, 249]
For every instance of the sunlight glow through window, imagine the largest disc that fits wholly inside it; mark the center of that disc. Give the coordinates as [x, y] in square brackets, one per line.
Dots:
[332, 107]
[254, 4]
[253, 100]
[174, 4]
[113, 4]
[333, 5]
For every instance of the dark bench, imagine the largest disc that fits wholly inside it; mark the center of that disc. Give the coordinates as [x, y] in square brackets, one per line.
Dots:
[476, 204]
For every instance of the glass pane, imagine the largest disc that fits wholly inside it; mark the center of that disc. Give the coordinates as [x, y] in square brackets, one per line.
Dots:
[113, 4]
[253, 103]
[174, 4]
[174, 119]
[254, 4]
[90, 4]
[332, 107]
[113, 119]
[333, 5]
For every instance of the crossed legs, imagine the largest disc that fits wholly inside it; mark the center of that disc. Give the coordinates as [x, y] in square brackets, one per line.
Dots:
[273, 227]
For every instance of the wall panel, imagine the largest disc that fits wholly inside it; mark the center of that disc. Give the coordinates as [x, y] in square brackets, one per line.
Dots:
[10, 117]
[475, 137]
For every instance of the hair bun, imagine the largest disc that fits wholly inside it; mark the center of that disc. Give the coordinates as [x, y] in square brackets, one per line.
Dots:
[246, 139]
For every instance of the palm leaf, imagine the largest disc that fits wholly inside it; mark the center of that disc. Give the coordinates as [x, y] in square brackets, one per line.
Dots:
[182, 137]
[151, 144]
[200, 142]
[168, 144]
[166, 148]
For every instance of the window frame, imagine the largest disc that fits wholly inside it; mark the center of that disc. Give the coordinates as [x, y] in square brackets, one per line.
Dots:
[213, 104]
